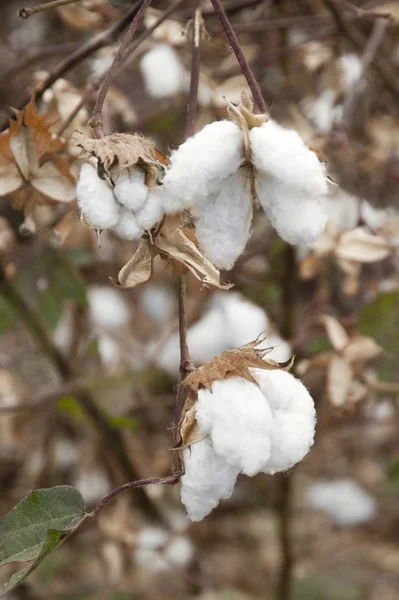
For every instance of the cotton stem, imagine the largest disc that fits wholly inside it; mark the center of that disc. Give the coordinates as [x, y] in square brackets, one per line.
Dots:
[25, 13]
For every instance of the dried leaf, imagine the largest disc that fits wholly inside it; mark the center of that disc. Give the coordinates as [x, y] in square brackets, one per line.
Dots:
[357, 391]
[189, 430]
[52, 183]
[336, 333]
[23, 149]
[339, 377]
[359, 246]
[171, 242]
[362, 348]
[309, 267]
[138, 269]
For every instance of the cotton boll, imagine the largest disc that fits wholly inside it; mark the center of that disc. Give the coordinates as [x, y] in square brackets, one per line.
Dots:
[158, 302]
[223, 222]
[351, 68]
[108, 309]
[151, 538]
[343, 210]
[163, 73]
[151, 560]
[96, 200]
[323, 111]
[151, 213]
[238, 419]
[280, 153]
[243, 320]
[208, 478]
[180, 552]
[297, 218]
[93, 485]
[127, 226]
[130, 189]
[200, 165]
[282, 351]
[343, 500]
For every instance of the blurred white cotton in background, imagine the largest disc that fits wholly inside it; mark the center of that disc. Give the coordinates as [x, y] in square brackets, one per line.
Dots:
[343, 210]
[158, 302]
[180, 551]
[351, 68]
[162, 71]
[107, 307]
[343, 500]
[93, 485]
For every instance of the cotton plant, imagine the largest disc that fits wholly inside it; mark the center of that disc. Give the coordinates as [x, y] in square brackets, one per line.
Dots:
[244, 413]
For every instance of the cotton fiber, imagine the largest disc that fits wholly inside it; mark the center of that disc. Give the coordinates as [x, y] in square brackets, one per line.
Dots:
[151, 213]
[127, 226]
[96, 200]
[163, 73]
[130, 189]
[343, 500]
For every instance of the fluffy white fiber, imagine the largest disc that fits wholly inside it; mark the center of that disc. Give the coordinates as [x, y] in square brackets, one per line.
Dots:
[343, 500]
[108, 309]
[280, 153]
[151, 213]
[223, 221]
[297, 217]
[130, 189]
[127, 226]
[162, 71]
[96, 200]
[351, 69]
[249, 428]
[200, 165]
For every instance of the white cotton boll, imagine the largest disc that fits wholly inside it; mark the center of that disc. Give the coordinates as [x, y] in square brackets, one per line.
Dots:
[93, 485]
[298, 219]
[151, 560]
[280, 153]
[152, 538]
[127, 226]
[162, 71]
[109, 350]
[180, 551]
[322, 111]
[282, 351]
[96, 199]
[208, 478]
[223, 221]
[343, 500]
[130, 189]
[243, 320]
[373, 217]
[351, 69]
[158, 302]
[238, 420]
[200, 165]
[343, 210]
[294, 417]
[108, 308]
[151, 213]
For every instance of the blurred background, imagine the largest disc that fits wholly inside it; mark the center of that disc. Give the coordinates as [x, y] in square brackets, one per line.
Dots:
[88, 372]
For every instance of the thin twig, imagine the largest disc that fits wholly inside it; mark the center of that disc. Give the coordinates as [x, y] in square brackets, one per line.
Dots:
[362, 13]
[351, 100]
[24, 13]
[70, 62]
[235, 45]
[95, 120]
[112, 437]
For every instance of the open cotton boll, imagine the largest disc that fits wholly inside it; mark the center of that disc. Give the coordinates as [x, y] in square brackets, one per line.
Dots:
[293, 415]
[281, 153]
[107, 307]
[243, 320]
[96, 200]
[208, 478]
[298, 219]
[201, 163]
[282, 351]
[180, 551]
[343, 500]
[151, 213]
[130, 189]
[223, 222]
[238, 420]
[163, 72]
[127, 226]
[151, 538]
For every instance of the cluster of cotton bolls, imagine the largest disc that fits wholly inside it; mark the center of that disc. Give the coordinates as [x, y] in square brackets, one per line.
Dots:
[159, 551]
[230, 321]
[248, 428]
[129, 208]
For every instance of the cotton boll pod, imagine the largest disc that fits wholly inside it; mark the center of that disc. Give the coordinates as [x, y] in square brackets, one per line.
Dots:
[151, 213]
[96, 200]
[208, 478]
[280, 153]
[201, 163]
[127, 226]
[293, 415]
[163, 73]
[223, 221]
[298, 219]
[130, 189]
[238, 419]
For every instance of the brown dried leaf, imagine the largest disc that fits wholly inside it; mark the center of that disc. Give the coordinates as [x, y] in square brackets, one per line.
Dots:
[172, 243]
[189, 431]
[362, 247]
[339, 377]
[357, 391]
[362, 348]
[138, 269]
[336, 333]
[309, 267]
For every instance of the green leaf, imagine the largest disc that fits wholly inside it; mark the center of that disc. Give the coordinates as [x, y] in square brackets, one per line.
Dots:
[121, 422]
[36, 526]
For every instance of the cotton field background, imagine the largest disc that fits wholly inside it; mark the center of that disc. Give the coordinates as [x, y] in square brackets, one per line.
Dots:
[199, 233]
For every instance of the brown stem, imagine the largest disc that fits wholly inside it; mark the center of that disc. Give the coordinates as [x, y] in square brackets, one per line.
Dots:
[95, 119]
[112, 437]
[195, 73]
[24, 13]
[234, 43]
[361, 13]
[91, 88]
[92, 45]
